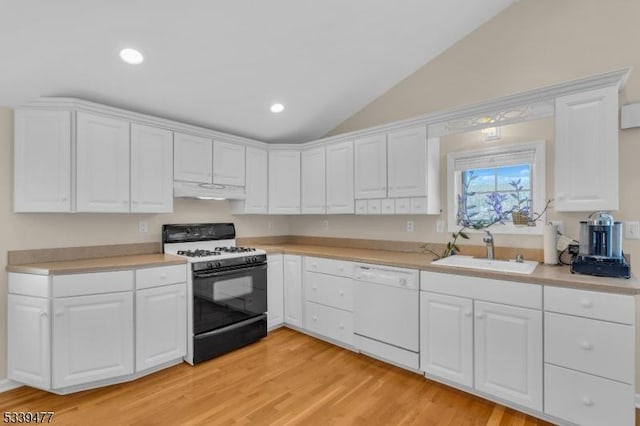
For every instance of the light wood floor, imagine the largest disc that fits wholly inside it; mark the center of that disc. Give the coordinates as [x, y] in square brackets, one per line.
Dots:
[287, 378]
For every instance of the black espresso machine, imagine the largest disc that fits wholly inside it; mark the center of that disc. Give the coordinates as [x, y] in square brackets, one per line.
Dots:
[601, 248]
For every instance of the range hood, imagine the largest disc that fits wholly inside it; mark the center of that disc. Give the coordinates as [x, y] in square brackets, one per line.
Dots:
[207, 191]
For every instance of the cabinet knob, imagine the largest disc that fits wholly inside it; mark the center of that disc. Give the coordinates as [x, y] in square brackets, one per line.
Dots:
[64, 199]
[479, 315]
[341, 293]
[314, 265]
[586, 345]
[587, 401]
[341, 326]
[315, 318]
[586, 303]
[402, 281]
[163, 276]
[43, 314]
[468, 314]
[314, 288]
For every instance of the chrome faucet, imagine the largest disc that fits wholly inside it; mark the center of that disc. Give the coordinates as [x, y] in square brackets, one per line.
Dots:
[488, 240]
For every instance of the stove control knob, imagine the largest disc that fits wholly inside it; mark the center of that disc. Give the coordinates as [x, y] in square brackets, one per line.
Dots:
[209, 265]
[218, 264]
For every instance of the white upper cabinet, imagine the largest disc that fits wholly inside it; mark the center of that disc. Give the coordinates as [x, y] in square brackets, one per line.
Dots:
[151, 169]
[313, 194]
[586, 163]
[371, 167]
[256, 185]
[228, 163]
[339, 179]
[407, 162]
[102, 164]
[284, 182]
[42, 161]
[192, 158]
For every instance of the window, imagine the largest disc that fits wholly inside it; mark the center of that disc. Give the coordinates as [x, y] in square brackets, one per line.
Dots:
[501, 182]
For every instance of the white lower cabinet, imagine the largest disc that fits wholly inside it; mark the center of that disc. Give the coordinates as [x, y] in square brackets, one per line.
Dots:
[328, 294]
[29, 340]
[73, 332]
[161, 325]
[508, 353]
[275, 291]
[494, 348]
[292, 267]
[446, 337]
[93, 338]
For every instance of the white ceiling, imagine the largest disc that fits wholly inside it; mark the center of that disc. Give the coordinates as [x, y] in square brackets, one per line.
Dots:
[221, 64]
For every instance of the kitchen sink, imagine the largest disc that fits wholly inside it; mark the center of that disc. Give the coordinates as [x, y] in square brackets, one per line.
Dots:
[526, 267]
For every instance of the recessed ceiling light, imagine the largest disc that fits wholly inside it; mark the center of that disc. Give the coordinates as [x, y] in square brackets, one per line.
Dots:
[277, 108]
[131, 56]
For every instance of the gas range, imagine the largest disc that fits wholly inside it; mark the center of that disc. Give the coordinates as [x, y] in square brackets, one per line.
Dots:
[226, 288]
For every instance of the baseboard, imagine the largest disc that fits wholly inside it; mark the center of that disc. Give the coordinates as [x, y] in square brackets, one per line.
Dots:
[7, 385]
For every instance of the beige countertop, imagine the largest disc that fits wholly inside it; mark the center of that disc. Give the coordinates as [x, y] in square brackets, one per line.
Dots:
[559, 276]
[98, 264]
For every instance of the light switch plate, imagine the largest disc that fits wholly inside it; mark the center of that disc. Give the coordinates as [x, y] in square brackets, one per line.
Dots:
[632, 230]
[142, 226]
[410, 226]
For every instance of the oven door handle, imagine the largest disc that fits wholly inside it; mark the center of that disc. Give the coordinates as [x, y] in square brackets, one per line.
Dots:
[228, 272]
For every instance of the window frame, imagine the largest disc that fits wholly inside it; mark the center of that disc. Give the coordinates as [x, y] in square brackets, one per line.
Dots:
[538, 187]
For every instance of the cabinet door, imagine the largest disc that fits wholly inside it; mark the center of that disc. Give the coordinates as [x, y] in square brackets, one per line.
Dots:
[340, 178]
[151, 169]
[313, 181]
[42, 161]
[371, 167]
[284, 182]
[92, 338]
[407, 159]
[192, 158]
[292, 290]
[228, 163]
[256, 186]
[161, 325]
[446, 337]
[586, 163]
[28, 341]
[102, 164]
[508, 353]
[275, 291]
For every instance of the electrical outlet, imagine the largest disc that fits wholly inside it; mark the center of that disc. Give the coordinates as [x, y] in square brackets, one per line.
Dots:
[410, 226]
[632, 230]
[142, 226]
[559, 224]
[440, 225]
[325, 225]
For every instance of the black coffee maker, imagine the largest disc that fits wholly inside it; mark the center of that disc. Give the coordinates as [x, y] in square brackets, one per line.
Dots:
[601, 248]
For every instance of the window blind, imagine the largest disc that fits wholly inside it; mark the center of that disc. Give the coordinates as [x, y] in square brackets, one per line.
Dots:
[496, 159]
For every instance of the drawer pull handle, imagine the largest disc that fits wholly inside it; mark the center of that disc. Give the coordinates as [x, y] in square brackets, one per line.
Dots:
[587, 401]
[586, 303]
[586, 345]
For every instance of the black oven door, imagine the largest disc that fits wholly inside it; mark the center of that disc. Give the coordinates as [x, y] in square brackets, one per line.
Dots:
[225, 297]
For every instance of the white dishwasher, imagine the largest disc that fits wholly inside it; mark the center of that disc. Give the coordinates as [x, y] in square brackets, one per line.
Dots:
[386, 313]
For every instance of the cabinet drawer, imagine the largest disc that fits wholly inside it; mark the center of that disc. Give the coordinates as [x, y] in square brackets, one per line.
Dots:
[403, 205]
[419, 205]
[590, 304]
[374, 206]
[388, 206]
[602, 348]
[587, 400]
[340, 268]
[361, 206]
[330, 322]
[329, 290]
[164, 275]
[93, 283]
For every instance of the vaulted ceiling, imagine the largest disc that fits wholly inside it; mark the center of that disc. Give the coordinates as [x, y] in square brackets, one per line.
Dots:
[221, 64]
